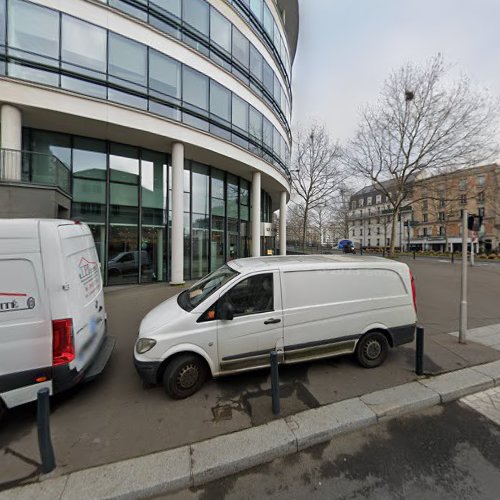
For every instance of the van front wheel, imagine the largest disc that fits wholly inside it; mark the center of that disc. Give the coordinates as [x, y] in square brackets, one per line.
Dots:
[184, 376]
[372, 349]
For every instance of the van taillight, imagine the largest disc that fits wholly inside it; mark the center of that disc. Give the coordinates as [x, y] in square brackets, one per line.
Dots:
[63, 348]
[413, 291]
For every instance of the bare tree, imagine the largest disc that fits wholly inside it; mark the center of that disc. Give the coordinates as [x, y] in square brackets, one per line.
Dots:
[316, 172]
[420, 125]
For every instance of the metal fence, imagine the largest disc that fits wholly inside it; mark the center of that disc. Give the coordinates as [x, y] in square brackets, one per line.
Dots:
[34, 168]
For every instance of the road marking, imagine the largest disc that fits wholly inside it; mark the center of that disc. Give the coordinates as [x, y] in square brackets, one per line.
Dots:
[486, 402]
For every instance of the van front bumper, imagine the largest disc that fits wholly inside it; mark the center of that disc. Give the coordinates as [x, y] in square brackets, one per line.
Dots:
[148, 370]
[64, 377]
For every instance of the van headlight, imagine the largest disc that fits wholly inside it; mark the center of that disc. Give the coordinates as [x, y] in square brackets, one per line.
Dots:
[144, 345]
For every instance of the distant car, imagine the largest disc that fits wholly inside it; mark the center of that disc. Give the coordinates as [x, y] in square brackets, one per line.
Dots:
[128, 262]
[347, 246]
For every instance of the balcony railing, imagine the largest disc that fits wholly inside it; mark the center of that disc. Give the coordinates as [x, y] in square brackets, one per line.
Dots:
[29, 167]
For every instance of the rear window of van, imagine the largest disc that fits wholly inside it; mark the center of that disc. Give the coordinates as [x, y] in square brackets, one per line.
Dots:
[79, 249]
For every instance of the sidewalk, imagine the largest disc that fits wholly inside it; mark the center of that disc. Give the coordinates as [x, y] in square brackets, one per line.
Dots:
[201, 462]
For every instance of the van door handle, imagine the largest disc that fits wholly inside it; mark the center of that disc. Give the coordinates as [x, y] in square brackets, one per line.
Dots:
[271, 321]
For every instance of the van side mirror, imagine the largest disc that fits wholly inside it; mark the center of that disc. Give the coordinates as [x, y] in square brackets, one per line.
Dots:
[226, 311]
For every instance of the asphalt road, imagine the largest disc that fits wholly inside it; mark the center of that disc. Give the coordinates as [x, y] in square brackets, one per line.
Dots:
[115, 417]
[446, 452]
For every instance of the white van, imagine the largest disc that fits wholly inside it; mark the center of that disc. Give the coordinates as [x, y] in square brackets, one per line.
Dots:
[52, 315]
[305, 307]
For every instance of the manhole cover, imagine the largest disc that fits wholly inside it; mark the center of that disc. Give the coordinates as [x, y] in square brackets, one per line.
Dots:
[222, 413]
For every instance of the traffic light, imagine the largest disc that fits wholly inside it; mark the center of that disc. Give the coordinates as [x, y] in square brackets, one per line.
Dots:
[474, 222]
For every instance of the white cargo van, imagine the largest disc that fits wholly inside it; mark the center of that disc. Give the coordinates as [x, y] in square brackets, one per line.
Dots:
[305, 307]
[52, 315]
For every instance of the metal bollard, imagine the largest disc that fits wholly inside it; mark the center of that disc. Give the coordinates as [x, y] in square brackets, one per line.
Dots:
[419, 353]
[383, 252]
[44, 439]
[361, 250]
[275, 383]
[452, 257]
[413, 254]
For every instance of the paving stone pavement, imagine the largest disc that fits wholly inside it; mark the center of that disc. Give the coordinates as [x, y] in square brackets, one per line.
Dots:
[486, 402]
[486, 335]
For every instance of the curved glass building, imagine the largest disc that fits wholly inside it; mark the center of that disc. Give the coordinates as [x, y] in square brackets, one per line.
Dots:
[163, 124]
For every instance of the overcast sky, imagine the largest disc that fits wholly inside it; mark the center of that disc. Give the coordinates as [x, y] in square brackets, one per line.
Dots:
[348, 47]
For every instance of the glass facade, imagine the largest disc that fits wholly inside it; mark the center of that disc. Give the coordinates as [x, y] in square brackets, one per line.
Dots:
[124, 194]
[206, 30]
[48, 47]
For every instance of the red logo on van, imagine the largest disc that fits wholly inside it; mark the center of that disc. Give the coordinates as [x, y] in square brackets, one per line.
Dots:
[86, 268]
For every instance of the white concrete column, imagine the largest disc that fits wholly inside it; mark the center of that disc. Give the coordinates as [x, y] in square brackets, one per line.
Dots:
[177, 244]
[11, 139]
[255, 216]
[283, 223]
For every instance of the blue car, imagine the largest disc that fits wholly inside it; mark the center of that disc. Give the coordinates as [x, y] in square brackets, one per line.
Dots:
[347, 246]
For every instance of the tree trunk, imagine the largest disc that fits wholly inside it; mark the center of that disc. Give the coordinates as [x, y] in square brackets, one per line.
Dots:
[393, 232]
[304, 229]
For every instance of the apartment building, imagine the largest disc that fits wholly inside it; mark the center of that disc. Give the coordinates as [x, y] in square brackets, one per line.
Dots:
[431, 216]
[370, 217]
[440, 201]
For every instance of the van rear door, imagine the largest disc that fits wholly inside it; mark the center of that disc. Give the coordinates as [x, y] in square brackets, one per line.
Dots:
[25, 329]
[86, 298]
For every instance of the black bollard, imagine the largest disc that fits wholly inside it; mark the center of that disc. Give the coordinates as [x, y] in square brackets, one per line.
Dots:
[452, 257]
[419, 353]
[44, 439]
[383, 252]
[413, 254]
[275, 383]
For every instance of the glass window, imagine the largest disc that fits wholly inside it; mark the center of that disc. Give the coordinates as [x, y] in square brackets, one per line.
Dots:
[84, 51]
[168, 9]
[241, 48]
[256, 8]
[255, 63]
[164, 80]
[154, 206]
[220, 35]
[195, 96]
[170, 6]
[124, 164]
[240, 113]
[129, 9]
[268, 21]
[127, 60]
[89, 158]
[267, 133]
[277, 90]
[268, 78]
[220, 101]
[201, 182]
[164, 74]
[44, 170]
[232, 196]
[251, 296]
[2, 34]
[195, 13]
[255, 124]
[220, 109]
[34, 30]
[128, 68]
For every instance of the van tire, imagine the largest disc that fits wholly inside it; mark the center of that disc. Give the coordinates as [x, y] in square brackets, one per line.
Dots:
[184, 375]
[372, 349]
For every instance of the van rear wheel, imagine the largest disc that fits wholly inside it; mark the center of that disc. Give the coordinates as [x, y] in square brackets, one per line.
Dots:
[372, 349]
[184, 376]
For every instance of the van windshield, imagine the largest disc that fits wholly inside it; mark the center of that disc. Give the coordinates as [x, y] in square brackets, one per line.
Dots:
[202, 289]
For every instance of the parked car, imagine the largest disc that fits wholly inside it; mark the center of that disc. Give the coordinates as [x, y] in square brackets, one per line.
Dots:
[128, 263]
[305, 307]
[52, 314]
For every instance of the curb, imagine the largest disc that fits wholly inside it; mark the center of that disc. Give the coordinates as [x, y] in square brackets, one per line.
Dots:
[199, 463]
